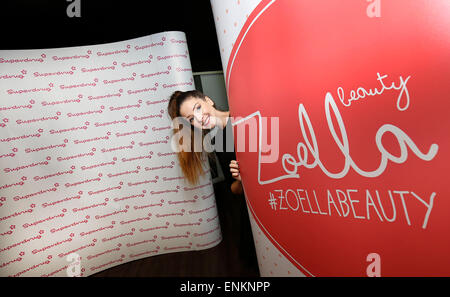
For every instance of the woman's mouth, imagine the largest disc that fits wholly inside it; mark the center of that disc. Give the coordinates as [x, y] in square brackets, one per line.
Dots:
[206, 121]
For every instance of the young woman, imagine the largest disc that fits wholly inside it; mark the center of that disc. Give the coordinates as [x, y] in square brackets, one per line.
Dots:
[198, 112]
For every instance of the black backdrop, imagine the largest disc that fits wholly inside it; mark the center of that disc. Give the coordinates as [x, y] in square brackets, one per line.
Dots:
[30, 24]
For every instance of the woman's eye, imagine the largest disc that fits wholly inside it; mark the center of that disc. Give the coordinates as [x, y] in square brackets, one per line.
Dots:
[198, 107]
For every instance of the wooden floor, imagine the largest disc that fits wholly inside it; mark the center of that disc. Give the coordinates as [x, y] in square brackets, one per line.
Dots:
[233, 257]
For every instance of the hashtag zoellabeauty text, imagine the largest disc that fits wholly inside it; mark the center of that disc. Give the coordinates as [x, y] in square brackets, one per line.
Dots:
[393, 205]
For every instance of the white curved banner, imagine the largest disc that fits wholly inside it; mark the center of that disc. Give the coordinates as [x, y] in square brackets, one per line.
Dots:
[230, 18]
[88, 177]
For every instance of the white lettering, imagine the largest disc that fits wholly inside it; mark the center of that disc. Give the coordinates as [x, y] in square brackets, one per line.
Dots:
[310, 146]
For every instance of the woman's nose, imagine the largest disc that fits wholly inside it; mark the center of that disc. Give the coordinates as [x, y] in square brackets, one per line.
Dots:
[198, 115]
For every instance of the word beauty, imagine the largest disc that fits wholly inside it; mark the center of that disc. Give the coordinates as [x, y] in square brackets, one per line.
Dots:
[311, 147]
[362, 93]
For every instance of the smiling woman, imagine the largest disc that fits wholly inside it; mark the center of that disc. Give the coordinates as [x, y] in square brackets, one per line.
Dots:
[199, 123]
[198, 112]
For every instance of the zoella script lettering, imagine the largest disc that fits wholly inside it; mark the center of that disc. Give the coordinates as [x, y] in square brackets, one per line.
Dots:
[308, 153]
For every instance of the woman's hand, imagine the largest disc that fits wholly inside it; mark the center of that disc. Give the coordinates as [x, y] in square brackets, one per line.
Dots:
[234, 169]
[236, 186]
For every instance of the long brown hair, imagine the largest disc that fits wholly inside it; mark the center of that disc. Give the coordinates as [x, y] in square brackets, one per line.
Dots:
[191, 160]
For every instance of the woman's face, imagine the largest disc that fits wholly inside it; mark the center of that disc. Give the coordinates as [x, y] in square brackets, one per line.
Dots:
[199, 112]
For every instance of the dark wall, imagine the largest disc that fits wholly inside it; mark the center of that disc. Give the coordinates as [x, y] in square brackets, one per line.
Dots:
[29, 24]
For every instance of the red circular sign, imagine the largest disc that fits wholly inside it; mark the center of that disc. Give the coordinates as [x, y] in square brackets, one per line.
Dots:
[361, 92]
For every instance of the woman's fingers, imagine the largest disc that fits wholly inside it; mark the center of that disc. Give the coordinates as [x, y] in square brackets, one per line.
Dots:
[234, 169]
[236, 176]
